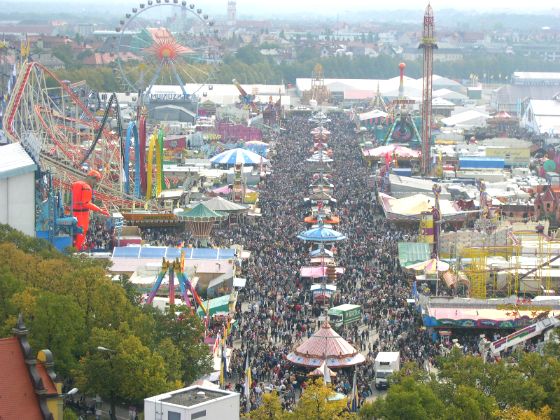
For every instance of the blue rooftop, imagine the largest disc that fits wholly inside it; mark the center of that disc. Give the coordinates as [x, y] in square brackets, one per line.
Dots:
[156, 252]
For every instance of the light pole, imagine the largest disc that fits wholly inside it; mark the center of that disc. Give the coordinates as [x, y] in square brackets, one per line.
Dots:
[111, 353]
[67, 394]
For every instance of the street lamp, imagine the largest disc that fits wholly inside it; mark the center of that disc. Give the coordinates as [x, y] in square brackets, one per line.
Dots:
[111, 353]
[105, 349]
[67, 394]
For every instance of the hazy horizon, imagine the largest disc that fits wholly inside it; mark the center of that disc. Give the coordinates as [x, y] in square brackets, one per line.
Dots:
[321, 7]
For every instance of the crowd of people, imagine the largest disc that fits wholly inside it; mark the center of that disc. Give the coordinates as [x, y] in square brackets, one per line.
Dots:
[276, 312]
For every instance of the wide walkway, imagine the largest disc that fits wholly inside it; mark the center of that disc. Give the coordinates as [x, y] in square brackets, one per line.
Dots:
[275, 310]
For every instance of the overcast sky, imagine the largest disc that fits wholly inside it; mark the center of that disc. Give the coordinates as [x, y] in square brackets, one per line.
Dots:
[270, 8]
[342, 5]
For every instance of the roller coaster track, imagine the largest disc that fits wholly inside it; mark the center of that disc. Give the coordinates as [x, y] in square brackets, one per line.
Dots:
[99, 133]
[48, 118]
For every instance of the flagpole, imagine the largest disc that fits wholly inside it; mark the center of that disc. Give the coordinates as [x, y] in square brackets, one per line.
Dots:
[248, 380]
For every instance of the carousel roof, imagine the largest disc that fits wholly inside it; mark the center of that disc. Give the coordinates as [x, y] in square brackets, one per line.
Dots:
[222, 205]
[320, 130]
[321, 252]
[321, 196]
[321, 181]
[201, 213]
[320, 156]
[321, 234]
[326, 345]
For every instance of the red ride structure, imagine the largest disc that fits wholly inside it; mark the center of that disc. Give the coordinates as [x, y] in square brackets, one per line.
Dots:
[82, 195]
[428, 44]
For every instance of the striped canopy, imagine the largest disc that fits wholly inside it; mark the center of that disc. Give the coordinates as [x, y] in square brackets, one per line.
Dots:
[429, 266]
[238, 156]
[321, 234]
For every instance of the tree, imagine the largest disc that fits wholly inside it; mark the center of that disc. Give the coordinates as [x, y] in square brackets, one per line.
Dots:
[517, 413]
[270, 409]
[315, 405]
[9, 285]
[118, 367]
[469, 403]
[55, 323]
[65, 54]
[409, 400]
[186, 331]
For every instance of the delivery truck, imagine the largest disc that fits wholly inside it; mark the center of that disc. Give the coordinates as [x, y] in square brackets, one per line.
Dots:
[386, 363]
[344, 314]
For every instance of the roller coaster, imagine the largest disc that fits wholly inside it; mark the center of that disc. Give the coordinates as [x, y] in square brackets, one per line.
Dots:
[65, 137]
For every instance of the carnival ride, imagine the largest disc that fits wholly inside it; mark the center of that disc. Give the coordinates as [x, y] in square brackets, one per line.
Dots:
[247, 101]
[64, 137]
[542, 326]
[403, 129]
[428, 44]
[181, 52]
[318, 94]
[82, 195]
[200, 220]
[172, 268]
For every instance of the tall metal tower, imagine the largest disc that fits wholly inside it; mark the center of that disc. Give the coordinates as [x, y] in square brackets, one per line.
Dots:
[428, 44]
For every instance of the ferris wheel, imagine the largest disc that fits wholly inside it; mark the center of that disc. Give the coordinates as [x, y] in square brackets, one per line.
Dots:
[166, 42]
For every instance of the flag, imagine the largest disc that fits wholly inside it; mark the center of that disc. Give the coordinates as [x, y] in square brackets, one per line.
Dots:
[12, 80]
[223, 368]
[216, 345]
[167, 182]
[355, 397]
[326, 372]
[248, 382]
[228, 327]
[387, 159]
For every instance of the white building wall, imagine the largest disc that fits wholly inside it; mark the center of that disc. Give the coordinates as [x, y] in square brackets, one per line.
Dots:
[17, 202]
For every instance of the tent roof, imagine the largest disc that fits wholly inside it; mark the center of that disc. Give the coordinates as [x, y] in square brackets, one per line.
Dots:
[222, 205]
[327, 345]
[413, 252]
[200, 212]
[321, 234]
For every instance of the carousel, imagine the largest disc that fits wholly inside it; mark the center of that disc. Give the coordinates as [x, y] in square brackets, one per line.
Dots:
[326, 346]
[322, 212]
[200, 220]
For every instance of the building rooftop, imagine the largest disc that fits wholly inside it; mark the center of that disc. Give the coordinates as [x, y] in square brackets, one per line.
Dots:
[536, 75]
[192, 396]
[16, 388]
[15, 161]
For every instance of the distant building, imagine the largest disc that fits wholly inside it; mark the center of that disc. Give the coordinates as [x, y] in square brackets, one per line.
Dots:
[29, 387]
[48, 60]
[231, 12]
[543, 117]
[514, 99]
[533, 78]
[85, 29]
[194, 402]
